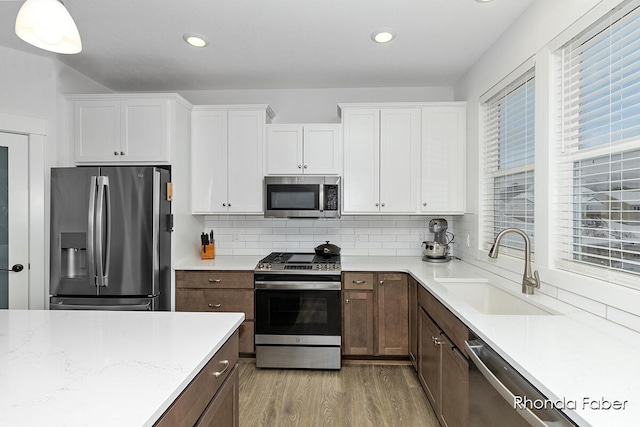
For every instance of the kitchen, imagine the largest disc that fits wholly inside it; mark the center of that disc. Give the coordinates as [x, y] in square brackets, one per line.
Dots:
[36, 86]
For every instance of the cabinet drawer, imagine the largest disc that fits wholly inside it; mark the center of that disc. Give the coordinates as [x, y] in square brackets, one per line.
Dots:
[450, 324]
[188, 407]
[216, 300]
[223, 411]
[358, 281]
[214, 279]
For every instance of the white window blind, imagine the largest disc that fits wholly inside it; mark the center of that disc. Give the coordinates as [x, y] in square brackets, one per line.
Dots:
[598, 186]
[508, 185]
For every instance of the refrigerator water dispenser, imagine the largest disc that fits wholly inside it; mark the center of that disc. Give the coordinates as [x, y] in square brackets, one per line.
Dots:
[73, 257]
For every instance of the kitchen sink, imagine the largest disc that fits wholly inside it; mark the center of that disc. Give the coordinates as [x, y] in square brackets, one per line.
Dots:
[488, 299]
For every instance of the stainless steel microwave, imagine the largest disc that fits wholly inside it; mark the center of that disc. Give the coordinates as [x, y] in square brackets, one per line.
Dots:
[302, 197]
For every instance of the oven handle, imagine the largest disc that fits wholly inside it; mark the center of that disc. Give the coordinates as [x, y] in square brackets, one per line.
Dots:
[294, 286]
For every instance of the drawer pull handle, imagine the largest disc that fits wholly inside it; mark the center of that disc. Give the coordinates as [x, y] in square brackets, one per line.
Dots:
[359, 282]
[215, 280]
[226, 366]
[215, 305]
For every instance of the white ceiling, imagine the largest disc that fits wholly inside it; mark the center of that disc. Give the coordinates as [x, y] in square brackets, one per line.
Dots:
[136, 45]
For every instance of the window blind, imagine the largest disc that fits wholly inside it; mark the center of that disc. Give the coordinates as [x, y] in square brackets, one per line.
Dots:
[598, 186]
[508, 185]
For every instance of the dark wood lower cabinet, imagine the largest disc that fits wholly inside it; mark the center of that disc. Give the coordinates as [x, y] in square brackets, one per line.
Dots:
[443, 369]
[223, 410]
[212, 393]
[413, 322]
[393, 314]
[357, 338]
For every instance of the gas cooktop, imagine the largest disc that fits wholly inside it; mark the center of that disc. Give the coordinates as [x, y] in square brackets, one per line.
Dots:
[299, 262]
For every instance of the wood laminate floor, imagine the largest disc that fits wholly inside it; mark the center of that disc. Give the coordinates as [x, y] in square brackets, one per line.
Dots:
[356, 395]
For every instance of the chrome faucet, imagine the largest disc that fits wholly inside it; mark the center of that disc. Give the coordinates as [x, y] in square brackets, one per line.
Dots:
[529, 282]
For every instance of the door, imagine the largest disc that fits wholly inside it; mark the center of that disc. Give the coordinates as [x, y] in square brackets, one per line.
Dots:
[357, 336]
[245, 167]
[393, 314]
[399, 160]
[322, 149]
[145, 130]
[97, 131]
[133, 239]
[361, 191]
[14, 221]
[284, 149]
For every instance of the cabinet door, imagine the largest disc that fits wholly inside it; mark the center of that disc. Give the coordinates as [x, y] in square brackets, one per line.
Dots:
[358, 323]
[209, 162]
[455, 387]
[393, 314]
[144, 130]
[97, 131]
[284, 149]
[399, 160]
[429, 358]
[443, 159]
[361, 138]
[224, 411]
[245, 167]
[413, 321]
[322, 149]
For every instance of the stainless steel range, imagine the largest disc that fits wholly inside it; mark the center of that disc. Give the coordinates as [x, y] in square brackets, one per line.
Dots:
[298, 312]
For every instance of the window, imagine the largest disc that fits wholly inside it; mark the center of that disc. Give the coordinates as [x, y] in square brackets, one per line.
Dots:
[509, 162]
[598, 205]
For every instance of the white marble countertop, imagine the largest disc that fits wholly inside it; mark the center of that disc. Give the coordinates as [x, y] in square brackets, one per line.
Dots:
[570, 357]
[98, 368]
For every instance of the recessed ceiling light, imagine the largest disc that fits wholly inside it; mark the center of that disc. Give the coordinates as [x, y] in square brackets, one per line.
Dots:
[483, 1]
[383, 35]
[195, 40]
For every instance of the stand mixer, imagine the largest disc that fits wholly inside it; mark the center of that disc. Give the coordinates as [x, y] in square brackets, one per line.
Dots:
[437, 250]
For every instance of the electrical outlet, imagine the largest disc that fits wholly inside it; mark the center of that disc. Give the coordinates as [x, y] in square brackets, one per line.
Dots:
[236, 237]
[468, 240]
[358, 237]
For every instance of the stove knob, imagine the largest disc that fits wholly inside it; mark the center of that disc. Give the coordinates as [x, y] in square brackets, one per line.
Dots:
[335, 266]
[268, 265]
[260, 265]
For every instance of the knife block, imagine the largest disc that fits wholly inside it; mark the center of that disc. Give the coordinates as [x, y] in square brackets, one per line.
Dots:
[209, 253]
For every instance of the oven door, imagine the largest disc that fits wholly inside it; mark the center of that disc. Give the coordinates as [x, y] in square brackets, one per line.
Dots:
[301, 313]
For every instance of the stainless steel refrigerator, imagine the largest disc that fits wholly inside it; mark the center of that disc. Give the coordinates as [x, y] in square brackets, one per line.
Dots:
[110, 238]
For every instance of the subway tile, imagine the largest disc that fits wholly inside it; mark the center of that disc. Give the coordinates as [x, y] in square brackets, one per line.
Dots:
[259, 245]
[396, 230]
[300, 223]
[624, 318]
[396, 217]
[395, 245]
[286, 245]
[231, 245]
[385, 223]
[224, 251]
[382, 238]
[336, 230]
[300, 238]
[369, 231]
[360, 223]
[286, 231]
[408, 238]
[368, 245]
[273, 238]
[257, 252]
[409, 252]
[313, 230]
[352, 251]
[583, 303]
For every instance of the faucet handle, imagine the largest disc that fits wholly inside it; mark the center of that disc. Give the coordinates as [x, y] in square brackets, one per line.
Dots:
[536, 277]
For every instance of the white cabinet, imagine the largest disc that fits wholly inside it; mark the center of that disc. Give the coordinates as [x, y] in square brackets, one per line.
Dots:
[226, 158]
[443, 158]
[381, 159]
[293, 149]
[122, 128]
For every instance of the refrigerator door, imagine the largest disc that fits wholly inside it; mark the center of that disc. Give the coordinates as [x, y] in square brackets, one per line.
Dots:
[70, 252]
[129, 223]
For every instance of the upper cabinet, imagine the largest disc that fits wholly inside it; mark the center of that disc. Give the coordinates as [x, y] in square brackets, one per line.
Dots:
[404, 158]
[226, 158]
[123, 128]
[443, 158]
[293, 149]
[381, 159]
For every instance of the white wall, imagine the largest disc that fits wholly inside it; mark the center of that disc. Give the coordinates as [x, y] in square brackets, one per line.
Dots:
[315, 105]
[33, 86]
[536, 32]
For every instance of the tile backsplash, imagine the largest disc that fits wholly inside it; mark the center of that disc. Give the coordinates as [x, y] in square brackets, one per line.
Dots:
[356, 235]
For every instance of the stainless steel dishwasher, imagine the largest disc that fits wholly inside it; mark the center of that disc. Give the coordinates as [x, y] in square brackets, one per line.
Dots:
[493, 388]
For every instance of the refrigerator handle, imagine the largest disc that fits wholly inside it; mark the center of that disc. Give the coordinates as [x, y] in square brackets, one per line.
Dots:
[107, 255]
[102, 237]
[91, 231]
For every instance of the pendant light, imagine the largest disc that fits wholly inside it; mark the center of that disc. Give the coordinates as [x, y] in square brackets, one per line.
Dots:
[48, 25]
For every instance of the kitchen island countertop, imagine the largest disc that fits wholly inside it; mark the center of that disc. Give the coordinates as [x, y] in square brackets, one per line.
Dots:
[581, 362]
[101, 368]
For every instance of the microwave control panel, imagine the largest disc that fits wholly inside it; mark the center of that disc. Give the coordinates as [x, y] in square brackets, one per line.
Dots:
[331, 197]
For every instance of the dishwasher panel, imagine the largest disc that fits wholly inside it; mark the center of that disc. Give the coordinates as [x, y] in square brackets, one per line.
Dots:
[493, 387]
